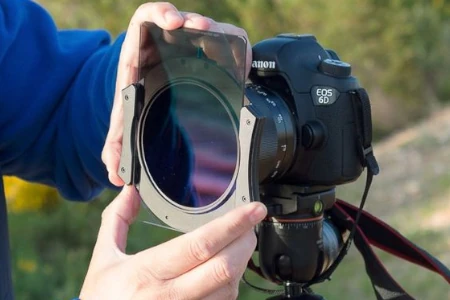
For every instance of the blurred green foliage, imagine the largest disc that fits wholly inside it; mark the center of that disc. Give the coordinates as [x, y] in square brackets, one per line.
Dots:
[51, 249]
[399, 50]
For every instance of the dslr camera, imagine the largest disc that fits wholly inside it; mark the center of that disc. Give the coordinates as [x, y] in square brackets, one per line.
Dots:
[201, 137]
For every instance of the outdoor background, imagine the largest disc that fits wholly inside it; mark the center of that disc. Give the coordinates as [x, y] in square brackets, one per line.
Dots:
[400, 52]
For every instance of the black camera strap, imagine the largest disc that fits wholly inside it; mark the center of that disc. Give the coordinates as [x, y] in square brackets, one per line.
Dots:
[363, 118]
[373, 231]
[363, 126]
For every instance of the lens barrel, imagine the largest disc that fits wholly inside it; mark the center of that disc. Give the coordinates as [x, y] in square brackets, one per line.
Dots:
[278, 140]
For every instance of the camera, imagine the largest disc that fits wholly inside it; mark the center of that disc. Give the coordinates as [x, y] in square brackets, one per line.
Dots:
[309, 145]
[307, 92]
[200, 139]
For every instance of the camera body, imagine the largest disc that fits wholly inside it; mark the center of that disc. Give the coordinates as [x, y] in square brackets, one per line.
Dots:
[317, 88]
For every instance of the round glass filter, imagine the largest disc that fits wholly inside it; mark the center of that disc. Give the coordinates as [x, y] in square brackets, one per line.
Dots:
[190, 144]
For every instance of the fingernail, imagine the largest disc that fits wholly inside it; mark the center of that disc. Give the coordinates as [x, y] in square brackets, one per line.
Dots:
[258, 213]
[172, 16]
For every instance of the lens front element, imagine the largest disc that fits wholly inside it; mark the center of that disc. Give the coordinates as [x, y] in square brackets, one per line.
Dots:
[190, 144]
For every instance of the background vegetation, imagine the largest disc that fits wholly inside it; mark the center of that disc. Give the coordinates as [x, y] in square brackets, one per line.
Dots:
[399, 50]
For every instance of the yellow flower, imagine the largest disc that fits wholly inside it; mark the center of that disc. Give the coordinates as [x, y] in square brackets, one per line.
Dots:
[27, 265]
[23, 196]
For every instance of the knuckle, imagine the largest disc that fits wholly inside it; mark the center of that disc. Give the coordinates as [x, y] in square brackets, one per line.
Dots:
[201, 250]
[225, 271]
[172, 294]
[169, 291]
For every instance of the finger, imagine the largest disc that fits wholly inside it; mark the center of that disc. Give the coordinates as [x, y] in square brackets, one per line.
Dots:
[229, 291]
[164, 15]
[221, 273]
[116, 219]
[196, 21]
[191, 21]
[196, 247]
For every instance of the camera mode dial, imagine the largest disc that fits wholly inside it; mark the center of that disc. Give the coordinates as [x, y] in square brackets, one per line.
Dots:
[335, 68]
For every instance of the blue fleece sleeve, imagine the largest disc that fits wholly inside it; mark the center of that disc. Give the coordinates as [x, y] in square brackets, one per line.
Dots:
[56, 94]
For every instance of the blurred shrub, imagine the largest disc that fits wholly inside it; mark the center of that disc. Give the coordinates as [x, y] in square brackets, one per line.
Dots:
[398, 49]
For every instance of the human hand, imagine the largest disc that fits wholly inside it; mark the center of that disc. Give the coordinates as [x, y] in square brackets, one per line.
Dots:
[204, 264]
[167, 17]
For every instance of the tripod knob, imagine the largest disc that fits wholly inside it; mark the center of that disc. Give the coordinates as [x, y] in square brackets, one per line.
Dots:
[284, 266]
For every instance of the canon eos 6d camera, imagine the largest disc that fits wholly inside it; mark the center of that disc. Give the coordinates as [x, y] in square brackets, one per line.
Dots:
[200, 139]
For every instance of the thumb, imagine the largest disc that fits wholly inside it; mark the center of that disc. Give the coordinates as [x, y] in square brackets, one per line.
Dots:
[116, 219]
[113, 149]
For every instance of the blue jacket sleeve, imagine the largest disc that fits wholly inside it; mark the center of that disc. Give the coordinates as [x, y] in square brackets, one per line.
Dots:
[56, 94]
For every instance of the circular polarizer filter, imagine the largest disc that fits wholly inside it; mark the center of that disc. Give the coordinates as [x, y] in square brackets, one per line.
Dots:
[190, 144]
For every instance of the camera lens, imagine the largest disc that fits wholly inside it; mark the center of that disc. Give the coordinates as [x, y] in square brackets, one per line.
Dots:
[190, 142]
[278, 139]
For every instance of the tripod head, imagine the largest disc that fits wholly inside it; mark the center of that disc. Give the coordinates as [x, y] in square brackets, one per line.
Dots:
[296, 242]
